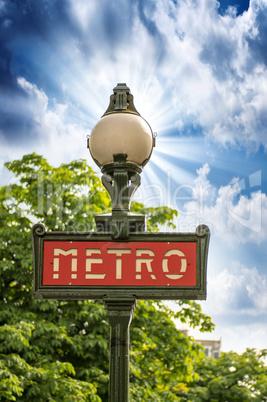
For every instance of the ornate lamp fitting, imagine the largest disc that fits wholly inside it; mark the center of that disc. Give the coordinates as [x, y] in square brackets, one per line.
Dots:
[121, 144]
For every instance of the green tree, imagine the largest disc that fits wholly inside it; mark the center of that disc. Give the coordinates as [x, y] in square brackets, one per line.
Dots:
[163, 359]
[231, 377]
[59, 350]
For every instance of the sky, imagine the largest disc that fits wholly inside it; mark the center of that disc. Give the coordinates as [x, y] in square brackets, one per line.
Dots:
[198, 73]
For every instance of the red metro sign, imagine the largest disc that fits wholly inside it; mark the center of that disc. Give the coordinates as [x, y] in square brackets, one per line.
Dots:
[119, 264]
[148, 266]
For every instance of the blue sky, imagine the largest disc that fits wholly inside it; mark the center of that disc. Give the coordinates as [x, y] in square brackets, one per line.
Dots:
[198, 73]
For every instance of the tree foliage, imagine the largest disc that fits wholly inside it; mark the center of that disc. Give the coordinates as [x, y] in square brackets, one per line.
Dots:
[59, 350]
[231, 377]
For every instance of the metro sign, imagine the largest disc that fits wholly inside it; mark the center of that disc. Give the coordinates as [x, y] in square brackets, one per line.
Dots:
[147, 266]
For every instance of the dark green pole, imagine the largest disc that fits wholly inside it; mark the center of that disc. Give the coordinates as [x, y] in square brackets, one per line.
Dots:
[120, 311]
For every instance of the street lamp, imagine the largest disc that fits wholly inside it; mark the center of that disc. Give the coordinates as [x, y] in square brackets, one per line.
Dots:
[121, 144]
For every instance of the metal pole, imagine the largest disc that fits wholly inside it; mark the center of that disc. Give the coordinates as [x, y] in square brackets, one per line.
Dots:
[120, 311]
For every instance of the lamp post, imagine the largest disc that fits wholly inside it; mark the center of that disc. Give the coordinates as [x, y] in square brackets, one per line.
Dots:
[121, 144]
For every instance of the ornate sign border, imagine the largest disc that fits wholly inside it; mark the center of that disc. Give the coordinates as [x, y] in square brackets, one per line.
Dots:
[198, 292]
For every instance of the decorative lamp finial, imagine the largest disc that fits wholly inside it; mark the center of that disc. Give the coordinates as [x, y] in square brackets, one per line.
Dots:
[121, 101]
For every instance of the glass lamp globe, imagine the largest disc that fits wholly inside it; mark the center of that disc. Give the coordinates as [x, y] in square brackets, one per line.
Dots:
[121, 133]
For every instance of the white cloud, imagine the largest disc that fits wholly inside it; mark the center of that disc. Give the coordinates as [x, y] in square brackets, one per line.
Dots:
[235, 217]
[54, 135]
[240, 291]
[63, 141]
[203, 191]
[83, 12]
[37, 101]
[237, 303]
[215, 75]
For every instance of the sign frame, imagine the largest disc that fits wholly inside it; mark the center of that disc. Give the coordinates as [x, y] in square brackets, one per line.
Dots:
[61, 292]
